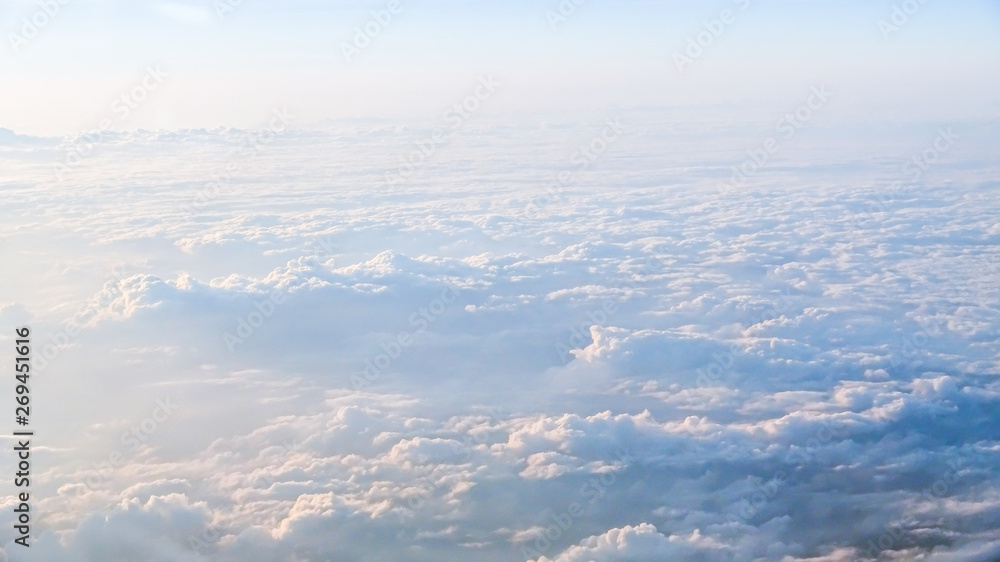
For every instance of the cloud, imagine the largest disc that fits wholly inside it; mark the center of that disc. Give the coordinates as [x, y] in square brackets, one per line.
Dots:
[641, 542]
[653, 371]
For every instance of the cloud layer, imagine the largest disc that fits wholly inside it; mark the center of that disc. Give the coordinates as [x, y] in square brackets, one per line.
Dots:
[485, 362]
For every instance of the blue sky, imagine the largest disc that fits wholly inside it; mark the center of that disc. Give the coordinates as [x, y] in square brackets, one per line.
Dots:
[229, 71]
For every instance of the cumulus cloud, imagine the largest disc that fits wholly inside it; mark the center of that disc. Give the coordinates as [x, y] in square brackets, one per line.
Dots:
[641, 542]
[639, 369]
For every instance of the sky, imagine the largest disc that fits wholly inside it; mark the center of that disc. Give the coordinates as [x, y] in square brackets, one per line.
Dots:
[224, 65]
[504, 282]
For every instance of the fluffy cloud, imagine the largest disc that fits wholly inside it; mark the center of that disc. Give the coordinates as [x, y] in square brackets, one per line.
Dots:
[635, 373]
[641, 542]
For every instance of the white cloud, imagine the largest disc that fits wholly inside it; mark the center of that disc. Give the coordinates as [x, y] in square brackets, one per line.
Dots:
[781, 381]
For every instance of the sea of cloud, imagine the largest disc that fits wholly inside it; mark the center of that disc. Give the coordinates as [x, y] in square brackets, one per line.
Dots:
[522, 343]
